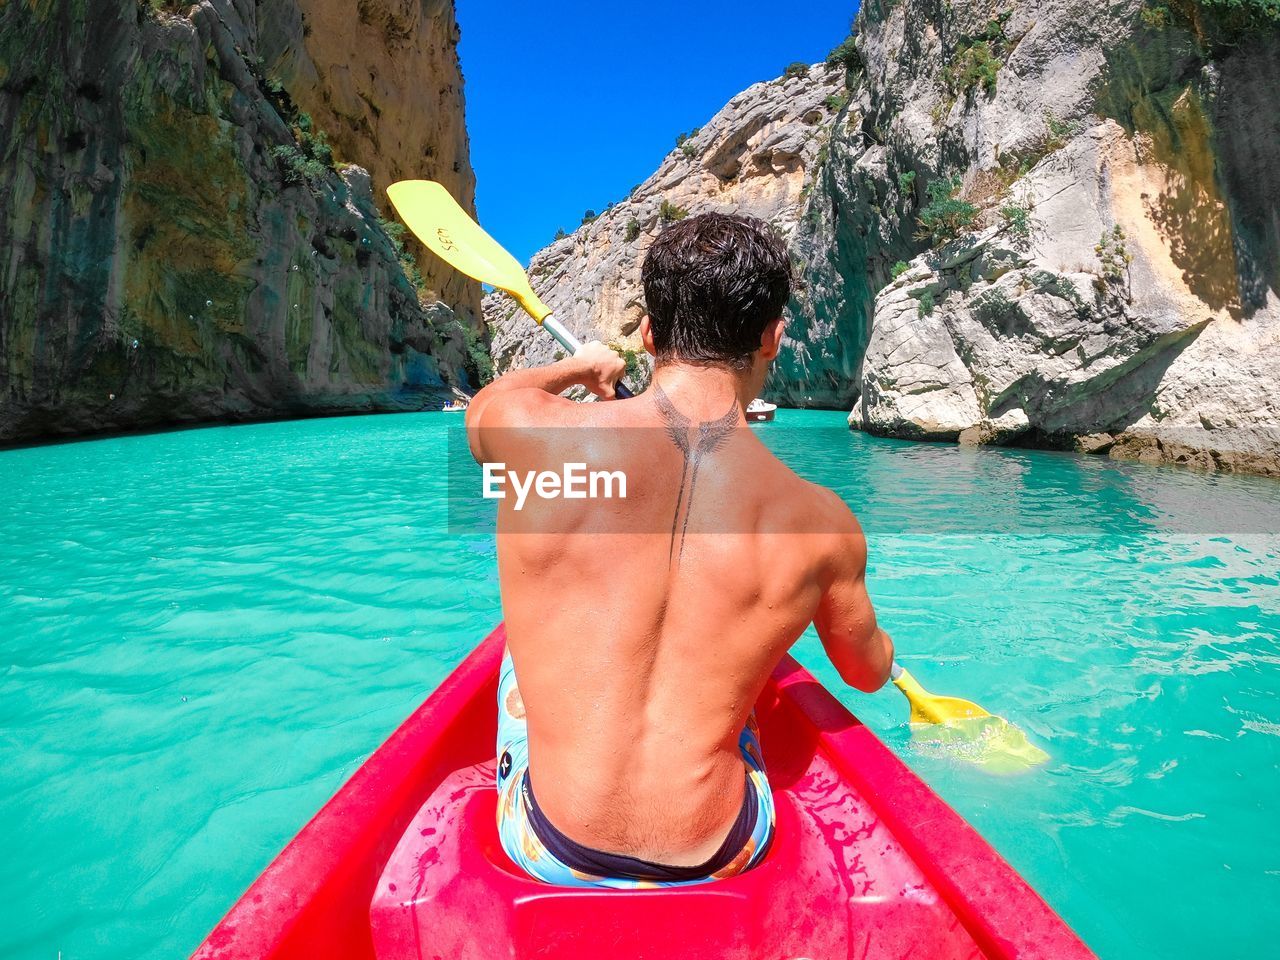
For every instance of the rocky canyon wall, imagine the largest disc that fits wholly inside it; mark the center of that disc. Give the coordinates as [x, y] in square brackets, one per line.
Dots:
[179, 241]
[757, 156]
[1110, 277]
[1046, 222]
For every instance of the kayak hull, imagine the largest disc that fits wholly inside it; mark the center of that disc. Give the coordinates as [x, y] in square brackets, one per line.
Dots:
[404, 862]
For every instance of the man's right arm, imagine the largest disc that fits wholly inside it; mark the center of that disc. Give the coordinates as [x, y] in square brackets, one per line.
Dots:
[500, 404]
[861, 652]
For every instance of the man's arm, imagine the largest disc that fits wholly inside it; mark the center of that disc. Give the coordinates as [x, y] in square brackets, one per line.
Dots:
[594, 366]
[861, 652]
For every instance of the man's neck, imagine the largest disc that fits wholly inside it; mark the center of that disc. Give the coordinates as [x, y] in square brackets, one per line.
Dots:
[704, 392]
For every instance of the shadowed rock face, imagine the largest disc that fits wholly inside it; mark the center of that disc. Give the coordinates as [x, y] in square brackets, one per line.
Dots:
[159, 267]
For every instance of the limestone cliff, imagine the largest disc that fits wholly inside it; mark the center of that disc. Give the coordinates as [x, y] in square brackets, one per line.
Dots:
[1045, 222]
[178, 241]
[1109, 275]
[381, 78]
[756, 156]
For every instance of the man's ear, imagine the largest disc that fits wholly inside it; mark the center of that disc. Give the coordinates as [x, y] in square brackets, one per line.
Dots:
[771, 339]
[646, 335]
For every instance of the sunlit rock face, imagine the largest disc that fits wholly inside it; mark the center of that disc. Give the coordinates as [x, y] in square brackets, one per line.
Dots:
[1116, 287]
[381, 78]
[758, 156]
[168, 258]
[1137, 312]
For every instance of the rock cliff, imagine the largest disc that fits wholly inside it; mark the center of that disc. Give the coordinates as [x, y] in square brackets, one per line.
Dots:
[1103, 269]
[1042, 222]
[382, 80]
[180, 242]
[757, 156]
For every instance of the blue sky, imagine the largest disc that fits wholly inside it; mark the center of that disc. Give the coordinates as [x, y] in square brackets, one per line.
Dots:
[570, 104]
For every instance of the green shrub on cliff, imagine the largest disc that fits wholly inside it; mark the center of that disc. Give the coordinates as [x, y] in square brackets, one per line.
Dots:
[977, 60]
[797, 69]
[683, 145]
[1017, 219]
[634, 372]
[296, 166]
[668, 212]
[1202, 15]
[309, 159]
[945, 216]
[479, 363]
[1113, 253]
[846, 54]
[633, 229]
[974, 66]
[396, 233]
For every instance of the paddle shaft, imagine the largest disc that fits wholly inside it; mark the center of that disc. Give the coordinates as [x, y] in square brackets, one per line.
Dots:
[566, 339]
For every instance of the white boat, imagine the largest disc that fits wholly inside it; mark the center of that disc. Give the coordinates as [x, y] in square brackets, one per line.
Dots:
[454, 406]
[758, 411]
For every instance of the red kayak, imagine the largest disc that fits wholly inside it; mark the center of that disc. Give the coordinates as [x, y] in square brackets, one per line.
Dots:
[404, 862]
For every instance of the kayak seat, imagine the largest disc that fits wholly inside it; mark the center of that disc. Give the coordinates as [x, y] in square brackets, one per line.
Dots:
[835, 882]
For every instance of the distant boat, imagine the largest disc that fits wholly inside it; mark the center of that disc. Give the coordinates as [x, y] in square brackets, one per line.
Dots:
[758, 411]
[454, 406]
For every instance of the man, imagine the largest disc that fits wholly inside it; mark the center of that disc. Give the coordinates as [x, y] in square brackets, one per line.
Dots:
[642, 629]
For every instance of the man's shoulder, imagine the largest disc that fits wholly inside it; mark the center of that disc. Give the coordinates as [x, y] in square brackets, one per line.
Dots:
[829, 511]
[530, 408]
[801, 505]
[517, 423]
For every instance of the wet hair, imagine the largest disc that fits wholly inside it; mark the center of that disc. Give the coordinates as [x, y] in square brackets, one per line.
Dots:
[712, 283]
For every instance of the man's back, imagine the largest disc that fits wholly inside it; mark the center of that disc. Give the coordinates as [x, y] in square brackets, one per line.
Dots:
[642, 629]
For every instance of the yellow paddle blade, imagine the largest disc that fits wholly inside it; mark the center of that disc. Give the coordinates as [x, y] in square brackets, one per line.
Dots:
[962, 730]
[988, 742]
[448, 231]
[930, 708]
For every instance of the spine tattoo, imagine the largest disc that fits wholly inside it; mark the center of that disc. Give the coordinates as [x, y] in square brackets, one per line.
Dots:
[711, 436]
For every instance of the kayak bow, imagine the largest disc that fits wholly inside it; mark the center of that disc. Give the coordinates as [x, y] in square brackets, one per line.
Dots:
[867, 861]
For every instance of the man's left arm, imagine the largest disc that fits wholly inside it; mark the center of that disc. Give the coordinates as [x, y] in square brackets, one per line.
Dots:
[594, 366]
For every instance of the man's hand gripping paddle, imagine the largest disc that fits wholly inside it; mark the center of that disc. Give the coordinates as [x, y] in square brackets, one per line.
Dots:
[448, 231]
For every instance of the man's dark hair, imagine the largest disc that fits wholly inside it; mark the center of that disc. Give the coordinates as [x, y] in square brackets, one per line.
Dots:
[712, 283]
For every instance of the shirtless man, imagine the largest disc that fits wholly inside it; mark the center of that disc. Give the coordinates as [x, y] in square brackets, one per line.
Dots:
[642, 629]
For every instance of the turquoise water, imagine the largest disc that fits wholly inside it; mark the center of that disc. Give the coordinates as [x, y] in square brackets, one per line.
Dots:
[203, 633]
